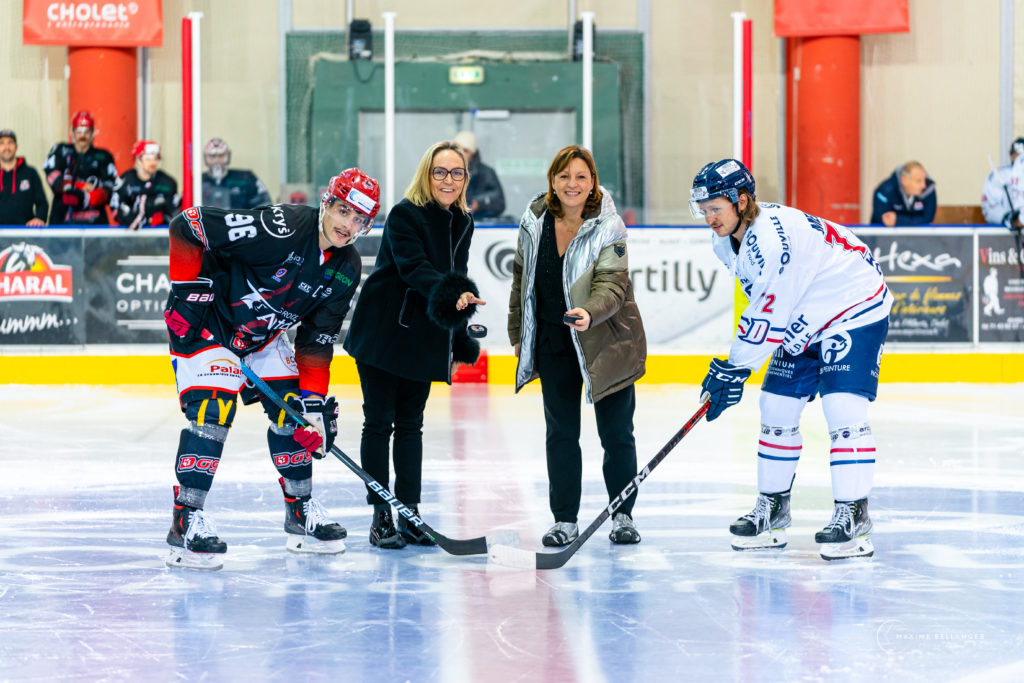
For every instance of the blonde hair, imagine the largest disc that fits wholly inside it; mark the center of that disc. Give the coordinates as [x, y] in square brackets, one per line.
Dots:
[592, 207]
[748, 214]
[419, 191]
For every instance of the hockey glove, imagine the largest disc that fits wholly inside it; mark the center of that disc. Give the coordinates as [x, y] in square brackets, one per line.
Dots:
[724, 386]
[321, 416]
[74, 197]
[188, 306]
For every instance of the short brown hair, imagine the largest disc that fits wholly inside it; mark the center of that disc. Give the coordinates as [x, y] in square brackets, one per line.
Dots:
[419, 192]
[592, 207]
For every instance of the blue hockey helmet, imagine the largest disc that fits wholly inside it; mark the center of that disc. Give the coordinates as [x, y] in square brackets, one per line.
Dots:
[723, 178]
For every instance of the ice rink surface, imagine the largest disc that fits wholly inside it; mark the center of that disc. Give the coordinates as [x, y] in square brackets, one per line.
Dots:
[86, 503]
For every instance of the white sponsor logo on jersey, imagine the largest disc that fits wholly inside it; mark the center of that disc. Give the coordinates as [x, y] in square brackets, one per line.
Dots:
[835, 348]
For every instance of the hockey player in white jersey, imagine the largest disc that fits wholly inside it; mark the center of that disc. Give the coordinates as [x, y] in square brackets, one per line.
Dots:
[997, 191]
[820, 309]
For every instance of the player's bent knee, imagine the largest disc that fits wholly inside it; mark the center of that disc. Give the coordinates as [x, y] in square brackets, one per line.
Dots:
[781, 410]
[844, 409]
[212, 412]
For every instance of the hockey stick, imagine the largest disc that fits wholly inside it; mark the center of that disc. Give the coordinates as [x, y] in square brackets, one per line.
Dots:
[453, 546]
[526, 559]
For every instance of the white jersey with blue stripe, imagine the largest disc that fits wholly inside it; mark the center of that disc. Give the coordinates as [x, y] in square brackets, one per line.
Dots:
[805, 277]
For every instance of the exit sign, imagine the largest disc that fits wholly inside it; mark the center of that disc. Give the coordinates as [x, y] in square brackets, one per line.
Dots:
[466, 75]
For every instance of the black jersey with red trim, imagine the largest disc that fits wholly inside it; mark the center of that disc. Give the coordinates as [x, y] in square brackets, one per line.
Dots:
[269, 274]
[94, 168]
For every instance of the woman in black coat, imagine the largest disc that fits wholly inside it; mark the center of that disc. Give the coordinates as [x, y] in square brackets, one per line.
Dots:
[409, 328]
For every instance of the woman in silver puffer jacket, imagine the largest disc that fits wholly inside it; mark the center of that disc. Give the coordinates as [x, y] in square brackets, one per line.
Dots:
[574, 324]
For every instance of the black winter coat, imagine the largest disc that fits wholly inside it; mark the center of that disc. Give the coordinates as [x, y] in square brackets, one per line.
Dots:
[405, 320]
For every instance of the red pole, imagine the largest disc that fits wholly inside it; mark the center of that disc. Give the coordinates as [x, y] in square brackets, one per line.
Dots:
[186, 112]
[825, 113]
[748, 95]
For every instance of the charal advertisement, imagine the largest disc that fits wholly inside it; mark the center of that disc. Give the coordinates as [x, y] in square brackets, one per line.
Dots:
[930, 280]
[38, 290]
[1001, 264]
[127, 284]
[684, 294]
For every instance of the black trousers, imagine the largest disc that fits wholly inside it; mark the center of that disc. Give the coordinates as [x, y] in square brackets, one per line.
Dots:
[392, 404]
[562, 389]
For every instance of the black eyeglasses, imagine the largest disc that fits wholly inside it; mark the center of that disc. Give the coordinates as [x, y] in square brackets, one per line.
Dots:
[440, 173]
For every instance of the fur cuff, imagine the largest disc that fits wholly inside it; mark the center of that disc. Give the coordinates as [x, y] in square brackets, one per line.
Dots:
[441, 306]
[465, 349]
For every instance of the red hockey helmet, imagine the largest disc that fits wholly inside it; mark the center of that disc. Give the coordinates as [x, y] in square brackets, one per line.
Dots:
[145, 147]
[83, 119]
[356, 188]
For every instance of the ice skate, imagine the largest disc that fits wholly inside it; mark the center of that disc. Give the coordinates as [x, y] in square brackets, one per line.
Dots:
[193, 540]
[562, 533]
[409, 531]
[765, 525]
[849, 532]
[623, 530]
[309, 529]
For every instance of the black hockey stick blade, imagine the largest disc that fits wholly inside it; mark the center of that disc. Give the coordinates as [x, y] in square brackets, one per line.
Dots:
[527, 559]
[469, 546]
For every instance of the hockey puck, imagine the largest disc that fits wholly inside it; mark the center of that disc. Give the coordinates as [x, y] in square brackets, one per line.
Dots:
[477, 331]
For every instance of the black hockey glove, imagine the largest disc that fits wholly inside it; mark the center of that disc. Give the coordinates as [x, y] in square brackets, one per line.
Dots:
[188, 306]
[724, 386]
[321, 416]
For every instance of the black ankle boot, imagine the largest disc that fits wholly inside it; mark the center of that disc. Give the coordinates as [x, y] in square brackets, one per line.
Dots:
[382, 529]
[409, 530]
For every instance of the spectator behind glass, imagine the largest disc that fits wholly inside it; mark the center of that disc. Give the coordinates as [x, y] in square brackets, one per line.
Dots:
[995, 203]
[22, 200]
[484, 194]
[907, 197]
[229, 189]
[145, 195]
[81, 176]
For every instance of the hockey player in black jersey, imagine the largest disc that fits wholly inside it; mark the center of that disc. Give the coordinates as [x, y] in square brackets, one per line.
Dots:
[145, 195]
[229, 188]
[81, 176]
[240, 279]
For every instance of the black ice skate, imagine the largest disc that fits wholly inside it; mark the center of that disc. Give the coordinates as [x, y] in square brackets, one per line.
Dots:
[382, 529]
[309, 529]
[849, 532]
[409, 531]
[765, 525]
[193, 540]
